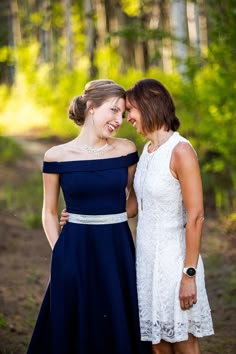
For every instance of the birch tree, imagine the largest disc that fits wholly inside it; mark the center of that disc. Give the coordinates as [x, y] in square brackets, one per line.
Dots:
[166, 43]
[45, 32]
[193, 26]
[178, 16]
[68, 34]
[202, 17]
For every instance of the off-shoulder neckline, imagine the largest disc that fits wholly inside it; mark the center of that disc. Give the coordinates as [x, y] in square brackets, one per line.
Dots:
[100, 159]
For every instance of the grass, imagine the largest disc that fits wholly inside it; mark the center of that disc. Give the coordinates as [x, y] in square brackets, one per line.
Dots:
[10, 151]
[25, 200]
[22, 194]
[3, 322]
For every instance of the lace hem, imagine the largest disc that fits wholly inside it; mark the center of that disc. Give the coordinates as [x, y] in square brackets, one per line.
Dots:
[175, 333]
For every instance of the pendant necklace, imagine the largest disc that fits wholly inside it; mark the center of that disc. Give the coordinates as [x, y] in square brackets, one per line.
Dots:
[161, 142]
[145, 177]
[152, 154]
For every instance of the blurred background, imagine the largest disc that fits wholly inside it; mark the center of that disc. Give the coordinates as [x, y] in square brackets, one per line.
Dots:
[48, 50]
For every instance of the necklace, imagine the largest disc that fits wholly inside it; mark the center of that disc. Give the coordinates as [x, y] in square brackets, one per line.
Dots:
[162, 141]
[148, 163]
[149, 156]
[97, 151]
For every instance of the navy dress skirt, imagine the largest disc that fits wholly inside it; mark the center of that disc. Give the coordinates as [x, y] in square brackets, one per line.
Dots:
[90, 305]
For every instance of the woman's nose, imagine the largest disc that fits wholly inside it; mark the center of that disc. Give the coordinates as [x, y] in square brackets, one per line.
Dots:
[119, 118]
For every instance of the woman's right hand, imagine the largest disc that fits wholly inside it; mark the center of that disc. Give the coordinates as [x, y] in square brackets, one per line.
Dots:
[64, 217]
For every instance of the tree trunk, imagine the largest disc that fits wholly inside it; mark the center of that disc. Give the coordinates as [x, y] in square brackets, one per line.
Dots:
[166, 49]
[68, 34]
[203, 37]
[7, 66]
[45, 33]
[193, 26]
[16, 29]
[108, 11]
[179, 27]
[126, 45]
[91, 34]
[142, 59]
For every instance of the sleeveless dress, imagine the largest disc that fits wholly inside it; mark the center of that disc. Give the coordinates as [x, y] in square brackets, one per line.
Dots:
[90, 306]
[160, 253]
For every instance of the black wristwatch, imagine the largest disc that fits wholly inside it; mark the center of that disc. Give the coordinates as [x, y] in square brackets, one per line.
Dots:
[190, 271]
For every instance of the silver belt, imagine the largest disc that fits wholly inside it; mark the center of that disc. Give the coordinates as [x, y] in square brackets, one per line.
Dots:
[97, 219]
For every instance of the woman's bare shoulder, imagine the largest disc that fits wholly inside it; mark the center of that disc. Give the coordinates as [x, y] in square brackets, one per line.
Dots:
[184, 157]
[56, 153]
[184, 150]
[125, 146]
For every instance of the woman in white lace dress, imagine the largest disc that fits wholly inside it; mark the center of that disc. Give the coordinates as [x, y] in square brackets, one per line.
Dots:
[173, 304]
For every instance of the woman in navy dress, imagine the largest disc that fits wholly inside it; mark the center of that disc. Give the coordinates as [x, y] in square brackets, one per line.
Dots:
[90, 306]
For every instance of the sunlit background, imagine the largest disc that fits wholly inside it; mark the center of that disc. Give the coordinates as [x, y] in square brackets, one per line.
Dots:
[48, 50]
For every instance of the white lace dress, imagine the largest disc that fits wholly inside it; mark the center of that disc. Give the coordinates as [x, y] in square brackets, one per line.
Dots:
[160, 253]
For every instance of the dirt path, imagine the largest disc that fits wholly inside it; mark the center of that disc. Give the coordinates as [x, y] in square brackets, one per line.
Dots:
[25, 263]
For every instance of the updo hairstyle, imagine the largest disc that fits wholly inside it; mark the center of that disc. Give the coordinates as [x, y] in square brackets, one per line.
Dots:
[155, 104]
[96, 91]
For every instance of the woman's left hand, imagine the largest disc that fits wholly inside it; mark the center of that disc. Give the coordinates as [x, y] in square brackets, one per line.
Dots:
[64, 217]
[187, 292]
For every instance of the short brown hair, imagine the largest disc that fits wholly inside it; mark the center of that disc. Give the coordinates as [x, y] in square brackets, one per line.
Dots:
[155, 104]
[96, 91]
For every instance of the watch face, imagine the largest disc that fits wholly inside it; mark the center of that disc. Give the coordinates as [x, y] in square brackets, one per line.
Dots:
[191, 272]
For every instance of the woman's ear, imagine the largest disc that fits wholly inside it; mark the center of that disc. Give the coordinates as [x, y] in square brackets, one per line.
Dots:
[90, 107]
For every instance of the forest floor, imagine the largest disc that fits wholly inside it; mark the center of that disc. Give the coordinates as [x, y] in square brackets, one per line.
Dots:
[25, 264]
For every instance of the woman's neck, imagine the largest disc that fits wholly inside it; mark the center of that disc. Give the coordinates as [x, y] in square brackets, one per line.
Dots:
[158, 138]
[89, 138]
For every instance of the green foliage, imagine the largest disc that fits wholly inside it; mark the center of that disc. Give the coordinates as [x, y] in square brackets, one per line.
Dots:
[32, 220]
[131, 7]
[6, 54]
[36, 102]
[9, 150]
[4, 95]
[230, 223]
[211, 101]
[107, 61]
[3, 322]
[204, 97]
[25, 199]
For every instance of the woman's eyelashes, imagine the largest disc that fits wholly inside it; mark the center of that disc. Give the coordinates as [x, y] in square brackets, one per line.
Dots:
[114, 109]
[117, 110]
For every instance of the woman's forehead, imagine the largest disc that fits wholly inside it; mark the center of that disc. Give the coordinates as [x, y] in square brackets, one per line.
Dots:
[129, 103]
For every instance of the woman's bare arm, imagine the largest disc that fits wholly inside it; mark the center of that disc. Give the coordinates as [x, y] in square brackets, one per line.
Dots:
[184, 165]
[51, 190]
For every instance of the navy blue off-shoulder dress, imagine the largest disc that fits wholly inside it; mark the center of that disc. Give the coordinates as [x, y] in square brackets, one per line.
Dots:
[90, 306]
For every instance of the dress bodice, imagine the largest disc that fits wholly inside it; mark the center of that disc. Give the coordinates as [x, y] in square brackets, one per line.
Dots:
[94, 187]
[158, 192]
